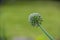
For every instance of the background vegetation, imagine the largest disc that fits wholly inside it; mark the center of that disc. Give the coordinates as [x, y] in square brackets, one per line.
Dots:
[14, 19]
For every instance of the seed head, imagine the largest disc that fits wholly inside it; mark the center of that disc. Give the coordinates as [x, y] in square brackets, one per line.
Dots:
[35, 19]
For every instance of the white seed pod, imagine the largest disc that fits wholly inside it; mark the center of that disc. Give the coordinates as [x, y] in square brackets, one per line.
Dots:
[35, 19]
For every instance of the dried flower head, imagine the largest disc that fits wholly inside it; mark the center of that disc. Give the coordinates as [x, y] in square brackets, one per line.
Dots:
[35, 19]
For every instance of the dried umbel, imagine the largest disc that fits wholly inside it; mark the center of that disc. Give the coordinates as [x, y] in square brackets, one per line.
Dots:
[35, 19]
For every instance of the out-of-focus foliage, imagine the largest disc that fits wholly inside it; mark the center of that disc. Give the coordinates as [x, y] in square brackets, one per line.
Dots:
[14, 18]
[4, 1]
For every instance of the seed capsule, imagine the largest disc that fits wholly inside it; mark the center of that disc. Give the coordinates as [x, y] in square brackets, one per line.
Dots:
[35, 19]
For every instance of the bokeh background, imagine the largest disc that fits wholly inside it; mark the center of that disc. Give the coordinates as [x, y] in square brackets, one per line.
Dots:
[14, 18]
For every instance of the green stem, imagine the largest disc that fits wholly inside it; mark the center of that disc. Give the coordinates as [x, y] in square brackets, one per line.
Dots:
[48, 35]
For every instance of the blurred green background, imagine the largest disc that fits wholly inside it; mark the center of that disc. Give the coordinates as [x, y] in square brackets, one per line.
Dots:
[14, 19]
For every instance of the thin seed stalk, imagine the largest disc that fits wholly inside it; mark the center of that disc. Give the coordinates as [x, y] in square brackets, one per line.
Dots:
[46, 33]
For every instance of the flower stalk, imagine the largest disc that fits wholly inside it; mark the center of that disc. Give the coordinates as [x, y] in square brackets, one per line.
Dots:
[46, 33]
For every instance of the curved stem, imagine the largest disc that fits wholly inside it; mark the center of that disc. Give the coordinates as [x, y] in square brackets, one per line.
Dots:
[48, 35]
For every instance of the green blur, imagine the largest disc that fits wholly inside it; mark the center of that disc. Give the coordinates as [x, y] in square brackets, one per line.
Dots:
[14, 19]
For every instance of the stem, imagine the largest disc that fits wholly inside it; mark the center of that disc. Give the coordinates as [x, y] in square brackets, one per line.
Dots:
[47, 34]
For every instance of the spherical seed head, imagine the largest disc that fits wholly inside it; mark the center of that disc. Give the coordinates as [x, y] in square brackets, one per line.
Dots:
[35, 19]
